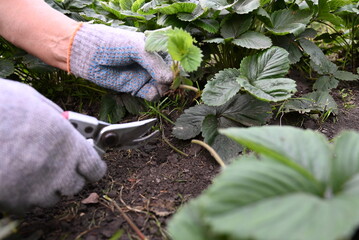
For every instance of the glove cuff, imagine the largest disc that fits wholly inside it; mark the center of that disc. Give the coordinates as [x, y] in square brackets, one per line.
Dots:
[68, 66]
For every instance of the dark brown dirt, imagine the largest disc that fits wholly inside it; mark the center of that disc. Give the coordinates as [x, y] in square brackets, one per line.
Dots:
[150, 183]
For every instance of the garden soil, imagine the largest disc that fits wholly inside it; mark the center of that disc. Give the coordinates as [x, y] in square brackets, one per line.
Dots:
[150, 183]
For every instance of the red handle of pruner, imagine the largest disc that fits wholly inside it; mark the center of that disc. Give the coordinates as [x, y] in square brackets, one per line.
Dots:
[65, 114]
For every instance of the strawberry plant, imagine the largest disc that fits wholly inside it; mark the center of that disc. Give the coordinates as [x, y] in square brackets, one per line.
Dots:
[294, 185]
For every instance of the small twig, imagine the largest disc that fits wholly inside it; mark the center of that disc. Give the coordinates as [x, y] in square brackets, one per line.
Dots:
[130, 222]
[211, 151]
[128, 207]
[173, 147]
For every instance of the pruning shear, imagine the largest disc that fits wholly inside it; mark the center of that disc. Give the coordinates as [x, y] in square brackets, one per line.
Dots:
[103, 135]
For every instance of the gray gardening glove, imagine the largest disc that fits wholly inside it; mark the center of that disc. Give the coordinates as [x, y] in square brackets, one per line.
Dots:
[116, 59]
[42, 156]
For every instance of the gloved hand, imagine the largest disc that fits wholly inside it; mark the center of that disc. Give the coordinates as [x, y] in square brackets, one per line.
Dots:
[116, 59]
[42, 156]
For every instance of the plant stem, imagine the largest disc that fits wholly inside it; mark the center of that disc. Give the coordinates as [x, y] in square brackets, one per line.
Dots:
[130, 222]
[183, 86]
[173, 147]
[211, 151]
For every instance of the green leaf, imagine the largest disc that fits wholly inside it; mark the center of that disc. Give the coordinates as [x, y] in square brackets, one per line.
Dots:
[133, 105]
[221, 88]
[318, 101]
[215, 4]
[6, 68]
[234, 25]
[177, 7]
[210, 25]
[246, 6]
[324, 13]
[209, 128]
[239, 204]
[229, 152]
[289, 21]
[179, 43]
[137, 4]
[215, 40]
[288, 42]
[180, 47]
[189, 17]
[121, 14]
[192, 60]
[261, 75]
[242, 109]
[126, 4]
[345, 162]
[263, 15]
[325, 83]
[157, 40]
[275, 141]
[321, 63]
[189, 124]
[346, 76]
[253, 40]
[110, 111]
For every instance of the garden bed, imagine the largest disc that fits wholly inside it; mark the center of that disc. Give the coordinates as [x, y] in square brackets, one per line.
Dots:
[150, 183]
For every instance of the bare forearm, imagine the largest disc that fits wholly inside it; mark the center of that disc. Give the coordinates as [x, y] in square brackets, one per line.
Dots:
[38, 29]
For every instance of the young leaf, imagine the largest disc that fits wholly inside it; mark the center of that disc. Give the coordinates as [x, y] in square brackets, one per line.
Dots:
[192, 60]
[253, 40]
[221, 88]
[179, 43]
[288, 21]
[261, 75]
[180, 47]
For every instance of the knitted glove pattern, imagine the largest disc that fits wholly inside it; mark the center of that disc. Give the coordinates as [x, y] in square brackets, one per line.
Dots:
[42, 156]
[116, 59]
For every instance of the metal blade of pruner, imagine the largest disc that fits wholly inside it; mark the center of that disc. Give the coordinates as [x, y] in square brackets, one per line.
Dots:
[104, 135]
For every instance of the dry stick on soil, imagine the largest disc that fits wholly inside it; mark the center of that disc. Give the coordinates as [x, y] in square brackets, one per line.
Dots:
[211, 151]
[130, 222]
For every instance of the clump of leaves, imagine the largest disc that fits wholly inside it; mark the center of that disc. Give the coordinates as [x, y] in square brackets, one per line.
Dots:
[179, 44]
[295, 181]
[243, 110]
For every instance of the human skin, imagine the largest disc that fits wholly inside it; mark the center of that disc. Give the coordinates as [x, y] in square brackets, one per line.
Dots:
[37, 28]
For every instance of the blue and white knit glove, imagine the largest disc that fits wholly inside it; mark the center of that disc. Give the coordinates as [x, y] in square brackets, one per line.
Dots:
[116, 59]
[42, 156]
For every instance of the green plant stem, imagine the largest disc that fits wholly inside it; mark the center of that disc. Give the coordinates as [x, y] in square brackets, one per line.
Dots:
[211, 151]
[173, 147]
